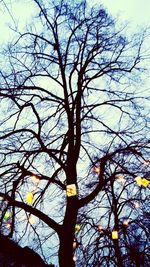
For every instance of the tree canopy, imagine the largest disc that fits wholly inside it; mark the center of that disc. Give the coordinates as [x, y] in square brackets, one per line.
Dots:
[74, 138]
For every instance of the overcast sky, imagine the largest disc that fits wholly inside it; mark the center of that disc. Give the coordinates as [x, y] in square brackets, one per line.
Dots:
[137, 12]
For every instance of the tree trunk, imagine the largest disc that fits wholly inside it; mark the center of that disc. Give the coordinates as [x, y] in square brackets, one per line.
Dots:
[66, 252]
[117, 253]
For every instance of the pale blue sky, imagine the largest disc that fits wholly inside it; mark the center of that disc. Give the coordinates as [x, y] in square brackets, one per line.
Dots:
[137, 12]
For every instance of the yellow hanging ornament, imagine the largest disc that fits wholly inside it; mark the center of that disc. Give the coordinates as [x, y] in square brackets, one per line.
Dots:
[138, 179]
[74, 244]
[71, 190]
[77, 227]
[114, 234]
[142, 181]
[145, 182]
[29, 197]
[7, 215]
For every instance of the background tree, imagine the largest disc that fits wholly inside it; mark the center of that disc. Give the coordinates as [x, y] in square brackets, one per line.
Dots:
[74, 138]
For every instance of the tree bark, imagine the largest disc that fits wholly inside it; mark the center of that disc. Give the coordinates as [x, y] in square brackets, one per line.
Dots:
[66, 252]
[117, 253]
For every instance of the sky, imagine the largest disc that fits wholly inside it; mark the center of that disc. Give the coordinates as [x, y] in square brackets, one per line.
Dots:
[134, 11]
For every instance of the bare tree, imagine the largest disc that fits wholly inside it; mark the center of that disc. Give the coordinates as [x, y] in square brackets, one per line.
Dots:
[117, 222]
[72, 123]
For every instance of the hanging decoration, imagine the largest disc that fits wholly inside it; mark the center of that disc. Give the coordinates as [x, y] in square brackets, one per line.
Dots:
[7, 215]
[74, 258]
[126, 222]
[71, 190]
[77, 227]
[100, 228]
[8, 225]
[74, 244]
[35, 178]
[114, 234]
[120, 179]
[145, 182]
[136, 205]
[96, 169]
[29, 197]
[142, 181]
[145, 162]
[31, 220]
[138, 179]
